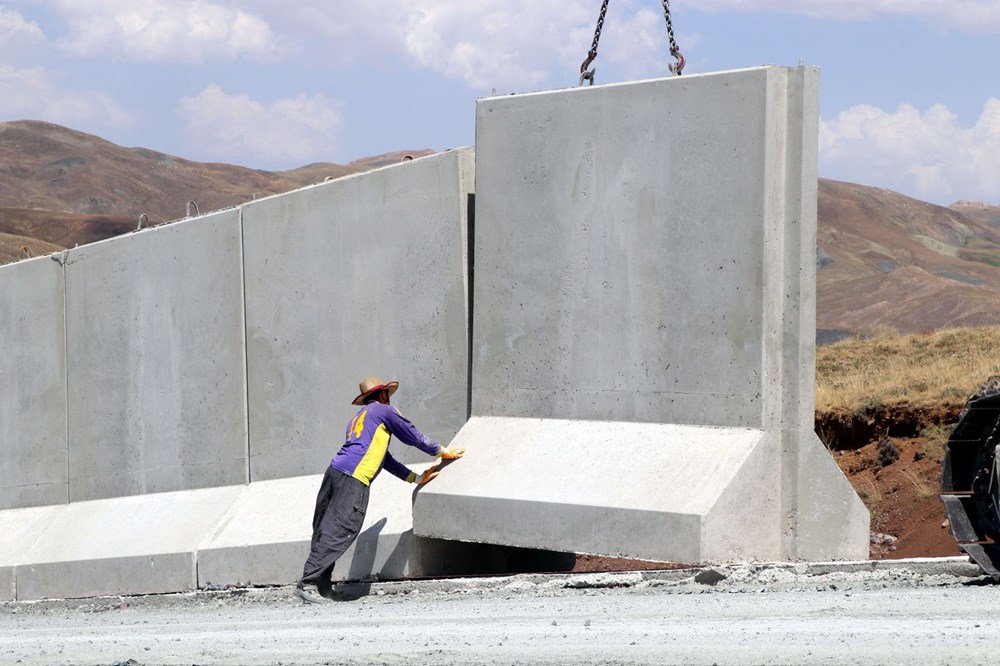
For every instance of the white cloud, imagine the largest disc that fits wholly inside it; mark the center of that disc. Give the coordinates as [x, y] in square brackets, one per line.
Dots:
[187, 31]
[14, 27]
[242, 130]
[928, 155]
[973, 15]
[32, 93]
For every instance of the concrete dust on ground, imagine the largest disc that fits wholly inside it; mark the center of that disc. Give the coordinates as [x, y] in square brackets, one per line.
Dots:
[930, 611]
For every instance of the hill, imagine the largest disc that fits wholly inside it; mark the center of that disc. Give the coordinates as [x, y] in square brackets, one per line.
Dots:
[66, 188]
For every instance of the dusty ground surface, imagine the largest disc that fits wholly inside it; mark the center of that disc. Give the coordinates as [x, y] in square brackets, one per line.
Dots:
[792, 614]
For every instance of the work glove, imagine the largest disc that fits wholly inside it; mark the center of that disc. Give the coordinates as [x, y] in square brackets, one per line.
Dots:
[421, 479]
[451, 454]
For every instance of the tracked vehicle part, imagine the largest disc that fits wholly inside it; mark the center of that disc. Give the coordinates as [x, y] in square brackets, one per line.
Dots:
[970, 484]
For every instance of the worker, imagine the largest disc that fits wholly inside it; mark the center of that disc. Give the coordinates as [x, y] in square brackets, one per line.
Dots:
[343, 494]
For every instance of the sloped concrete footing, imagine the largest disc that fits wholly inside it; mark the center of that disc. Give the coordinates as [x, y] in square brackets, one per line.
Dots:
[664, 492]
[236, 535]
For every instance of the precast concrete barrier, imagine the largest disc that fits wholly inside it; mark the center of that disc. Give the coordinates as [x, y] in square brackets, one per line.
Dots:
[643, 327]
[33, 375]
[362, 275]
[177, 392]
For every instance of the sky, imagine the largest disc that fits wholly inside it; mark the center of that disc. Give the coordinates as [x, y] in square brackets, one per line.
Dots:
[909, 89]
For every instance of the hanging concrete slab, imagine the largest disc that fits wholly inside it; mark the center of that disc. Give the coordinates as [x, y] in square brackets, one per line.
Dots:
[645, 254]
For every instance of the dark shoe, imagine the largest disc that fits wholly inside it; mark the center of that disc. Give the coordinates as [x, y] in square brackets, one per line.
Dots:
[309, 594]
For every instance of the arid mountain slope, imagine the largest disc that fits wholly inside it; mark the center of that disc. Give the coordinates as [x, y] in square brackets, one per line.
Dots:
[885, 261]
[67, 187]
[889, 262]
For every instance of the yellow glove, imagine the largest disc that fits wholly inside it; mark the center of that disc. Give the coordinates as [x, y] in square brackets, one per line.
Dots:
[451, 454]
[421, 479]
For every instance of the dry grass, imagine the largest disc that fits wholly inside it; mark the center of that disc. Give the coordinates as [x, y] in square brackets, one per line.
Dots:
[924, 370]
[923, 489]
[867, 489]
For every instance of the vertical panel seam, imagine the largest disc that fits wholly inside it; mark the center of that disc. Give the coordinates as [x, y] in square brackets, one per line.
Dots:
[243, 334]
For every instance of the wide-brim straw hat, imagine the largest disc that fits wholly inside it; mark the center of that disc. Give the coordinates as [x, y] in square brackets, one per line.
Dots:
[369, 385]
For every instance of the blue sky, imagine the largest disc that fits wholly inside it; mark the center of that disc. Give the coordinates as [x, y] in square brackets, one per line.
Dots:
[910, 89]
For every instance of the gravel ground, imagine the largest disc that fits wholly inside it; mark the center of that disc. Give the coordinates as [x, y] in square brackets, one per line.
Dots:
[933, 612]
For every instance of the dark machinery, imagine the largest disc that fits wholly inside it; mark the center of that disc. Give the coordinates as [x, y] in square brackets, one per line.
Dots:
[970, 484]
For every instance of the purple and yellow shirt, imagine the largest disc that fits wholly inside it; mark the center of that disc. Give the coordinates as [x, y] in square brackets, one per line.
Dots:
[366, 447]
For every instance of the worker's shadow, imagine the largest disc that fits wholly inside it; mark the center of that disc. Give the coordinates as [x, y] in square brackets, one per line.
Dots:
[360, 574]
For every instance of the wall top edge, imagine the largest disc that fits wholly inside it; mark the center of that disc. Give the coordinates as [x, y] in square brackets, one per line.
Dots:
[675, 80]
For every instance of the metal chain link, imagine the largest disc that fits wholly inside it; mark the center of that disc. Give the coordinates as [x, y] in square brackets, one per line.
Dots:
[674, 50]
[588, 75]
[585, 74]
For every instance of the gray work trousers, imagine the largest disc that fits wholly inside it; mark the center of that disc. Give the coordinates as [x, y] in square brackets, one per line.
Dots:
[340, 511]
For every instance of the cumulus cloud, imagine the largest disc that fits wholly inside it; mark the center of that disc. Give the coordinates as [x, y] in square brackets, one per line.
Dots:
[283, 133]
[188, 31]
[928, 155]
[31, 92]
[976, 15]
[14, 27]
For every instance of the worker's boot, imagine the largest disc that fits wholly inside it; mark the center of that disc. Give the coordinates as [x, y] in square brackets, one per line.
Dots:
[309, 593]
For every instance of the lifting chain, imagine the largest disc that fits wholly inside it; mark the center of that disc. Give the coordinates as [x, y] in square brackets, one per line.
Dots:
[588, 74]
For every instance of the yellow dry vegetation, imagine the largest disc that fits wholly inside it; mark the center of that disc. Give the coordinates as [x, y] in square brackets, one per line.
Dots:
[939, 368]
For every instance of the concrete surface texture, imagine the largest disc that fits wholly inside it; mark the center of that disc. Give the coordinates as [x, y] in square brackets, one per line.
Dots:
[644, 253]
[161, 427]
[33, 374]
[726, 615]
[154, 343]
[358, 276]
[235, 535]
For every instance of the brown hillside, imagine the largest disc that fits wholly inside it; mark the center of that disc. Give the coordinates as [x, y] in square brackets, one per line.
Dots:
[889, 262]
[71, 188]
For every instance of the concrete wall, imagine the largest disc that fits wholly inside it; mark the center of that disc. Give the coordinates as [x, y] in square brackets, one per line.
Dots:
[156, 363]
[359, 276]
[33, 376]
[175, 402]
[644, 254]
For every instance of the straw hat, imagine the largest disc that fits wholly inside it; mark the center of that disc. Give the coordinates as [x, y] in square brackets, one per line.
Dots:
[369, 385]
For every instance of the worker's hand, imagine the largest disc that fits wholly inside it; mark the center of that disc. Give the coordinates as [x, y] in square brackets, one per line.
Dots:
[428, 475]
[452, 454]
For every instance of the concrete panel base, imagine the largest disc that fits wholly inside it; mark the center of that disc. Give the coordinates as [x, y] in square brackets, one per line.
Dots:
[7, 589]
[266, 533]
[665, 492]
[671, 493]
[145, 574]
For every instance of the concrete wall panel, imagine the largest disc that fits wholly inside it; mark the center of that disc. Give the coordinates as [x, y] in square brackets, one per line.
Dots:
[358, 276]
[644, 253]
[619, 262]
[156, 356]
[33, 374]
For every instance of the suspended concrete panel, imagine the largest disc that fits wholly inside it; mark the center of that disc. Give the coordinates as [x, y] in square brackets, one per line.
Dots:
[364, 275]
[33, 376]
[157, 389]
[645, 254]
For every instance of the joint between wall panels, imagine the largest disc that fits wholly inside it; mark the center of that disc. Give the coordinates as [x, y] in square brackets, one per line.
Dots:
[65, 288]
[246, 365]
